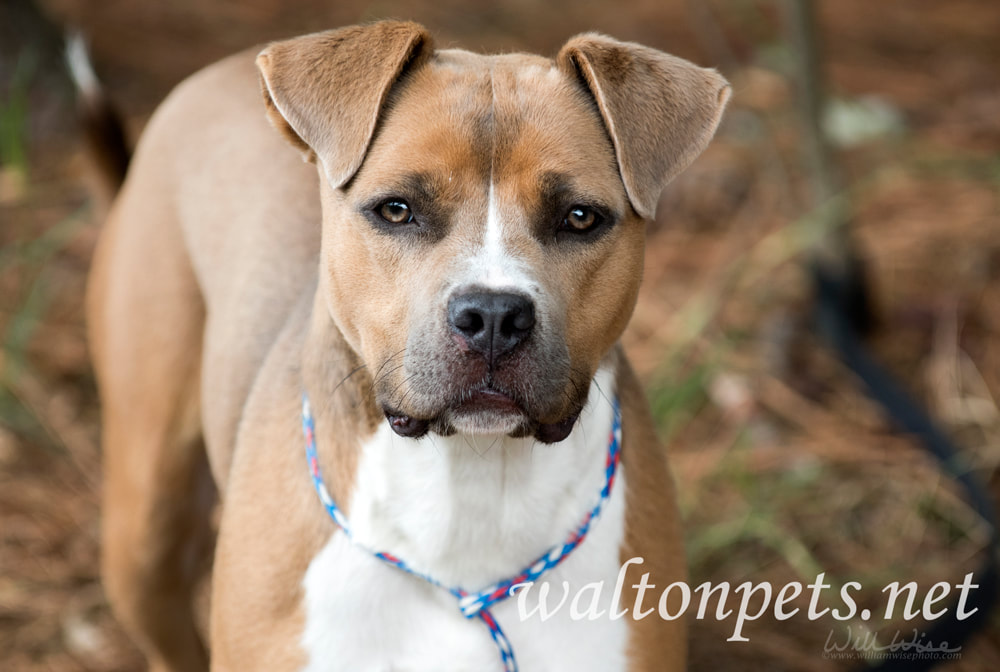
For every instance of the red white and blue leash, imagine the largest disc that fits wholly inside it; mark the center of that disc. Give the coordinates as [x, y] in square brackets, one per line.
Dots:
[476, 604]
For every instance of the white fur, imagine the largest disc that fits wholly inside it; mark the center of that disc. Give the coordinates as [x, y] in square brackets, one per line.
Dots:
[80, 67]
[493, 266]
[468, 511]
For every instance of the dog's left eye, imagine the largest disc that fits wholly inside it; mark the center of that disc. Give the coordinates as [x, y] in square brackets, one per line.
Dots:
[395, 212]
[581, 218]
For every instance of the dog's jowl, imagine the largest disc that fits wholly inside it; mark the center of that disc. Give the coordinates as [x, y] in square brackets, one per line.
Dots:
[370, 292]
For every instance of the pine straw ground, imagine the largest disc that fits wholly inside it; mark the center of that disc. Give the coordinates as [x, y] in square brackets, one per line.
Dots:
[785, 468]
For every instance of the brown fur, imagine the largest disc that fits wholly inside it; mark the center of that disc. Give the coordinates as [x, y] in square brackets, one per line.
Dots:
[652, 532]
[231, 276]
[324, 72]
[660, 112]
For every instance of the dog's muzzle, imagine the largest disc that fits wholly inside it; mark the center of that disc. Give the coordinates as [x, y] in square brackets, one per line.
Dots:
[493, 368]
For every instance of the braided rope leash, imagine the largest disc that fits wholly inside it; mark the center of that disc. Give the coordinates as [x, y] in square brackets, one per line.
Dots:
[476, 604]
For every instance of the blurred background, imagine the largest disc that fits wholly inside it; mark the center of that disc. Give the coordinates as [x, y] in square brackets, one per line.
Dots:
[785, 468]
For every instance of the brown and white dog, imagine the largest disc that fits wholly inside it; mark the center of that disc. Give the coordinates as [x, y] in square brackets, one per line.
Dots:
[447, 284]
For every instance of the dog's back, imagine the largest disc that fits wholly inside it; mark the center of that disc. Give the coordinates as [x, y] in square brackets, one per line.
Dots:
[159, 267]
[257, 223]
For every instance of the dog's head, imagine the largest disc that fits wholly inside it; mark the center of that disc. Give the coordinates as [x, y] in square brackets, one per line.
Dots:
[489, 209]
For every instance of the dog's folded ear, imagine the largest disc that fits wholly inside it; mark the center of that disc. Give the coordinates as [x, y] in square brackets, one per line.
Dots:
[660, 110]
[324, 91]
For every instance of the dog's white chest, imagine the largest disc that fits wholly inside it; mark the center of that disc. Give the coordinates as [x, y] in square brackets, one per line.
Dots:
[363, 615]
[467, 524]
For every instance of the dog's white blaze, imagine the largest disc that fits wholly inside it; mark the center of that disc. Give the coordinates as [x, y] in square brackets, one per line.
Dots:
[493, 240]
[468, 511]
[493, 265]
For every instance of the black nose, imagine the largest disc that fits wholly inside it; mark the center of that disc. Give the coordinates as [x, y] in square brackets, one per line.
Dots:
[493, 323]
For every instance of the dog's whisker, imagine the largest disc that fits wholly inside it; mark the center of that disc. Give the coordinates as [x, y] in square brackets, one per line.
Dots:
[378, 373]
[347, 377]
[403, 382]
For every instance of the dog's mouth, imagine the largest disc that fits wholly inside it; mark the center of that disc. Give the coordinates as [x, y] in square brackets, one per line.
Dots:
[489, 400]
[484, 410]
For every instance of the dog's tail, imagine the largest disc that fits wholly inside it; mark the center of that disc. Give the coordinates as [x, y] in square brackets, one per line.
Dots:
[102, 124]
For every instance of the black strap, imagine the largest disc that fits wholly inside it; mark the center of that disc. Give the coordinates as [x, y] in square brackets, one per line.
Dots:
[836, 320]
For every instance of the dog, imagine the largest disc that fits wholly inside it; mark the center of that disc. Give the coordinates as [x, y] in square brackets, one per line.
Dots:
[370, 293]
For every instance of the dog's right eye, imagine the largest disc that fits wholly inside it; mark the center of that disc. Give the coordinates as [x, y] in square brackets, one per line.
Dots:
[395, 212]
